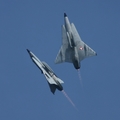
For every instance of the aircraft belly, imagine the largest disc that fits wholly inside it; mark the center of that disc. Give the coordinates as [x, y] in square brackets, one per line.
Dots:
[49, 78]
[81, 55]
[38, 63]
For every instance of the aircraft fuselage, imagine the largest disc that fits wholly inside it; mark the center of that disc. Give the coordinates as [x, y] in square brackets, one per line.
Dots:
[52, 79]
[52, 74]
[72, 43]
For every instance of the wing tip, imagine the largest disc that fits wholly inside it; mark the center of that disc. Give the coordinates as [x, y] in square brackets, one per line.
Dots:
[56, 62]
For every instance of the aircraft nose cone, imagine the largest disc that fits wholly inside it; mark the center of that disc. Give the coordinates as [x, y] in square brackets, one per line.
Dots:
[28, 50]
[65, 15]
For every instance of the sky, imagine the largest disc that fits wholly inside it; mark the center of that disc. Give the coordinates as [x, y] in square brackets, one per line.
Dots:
[36, 25]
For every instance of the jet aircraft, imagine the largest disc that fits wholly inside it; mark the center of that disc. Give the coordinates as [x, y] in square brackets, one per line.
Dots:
[73, 49]
[52, 79]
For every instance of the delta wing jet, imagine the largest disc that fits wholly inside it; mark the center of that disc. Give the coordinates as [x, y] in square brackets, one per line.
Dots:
[53, 81]
[73, 49]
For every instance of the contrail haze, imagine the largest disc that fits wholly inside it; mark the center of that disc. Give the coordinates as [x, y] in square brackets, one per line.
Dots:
[69, 99]
[80, 78]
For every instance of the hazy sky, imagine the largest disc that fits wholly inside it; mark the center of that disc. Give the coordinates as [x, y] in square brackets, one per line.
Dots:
[36, 25]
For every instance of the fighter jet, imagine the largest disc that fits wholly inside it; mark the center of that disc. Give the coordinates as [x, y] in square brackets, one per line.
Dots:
[52, 79]
[73, 49]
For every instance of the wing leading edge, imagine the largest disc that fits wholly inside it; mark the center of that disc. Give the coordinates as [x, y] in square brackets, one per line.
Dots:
[64, 53]
[81, 45]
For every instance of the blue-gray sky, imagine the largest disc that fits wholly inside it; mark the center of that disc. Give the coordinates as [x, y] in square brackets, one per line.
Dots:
[36, 25]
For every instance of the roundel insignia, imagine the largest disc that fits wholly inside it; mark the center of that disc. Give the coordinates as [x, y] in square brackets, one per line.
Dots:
[81, 48]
